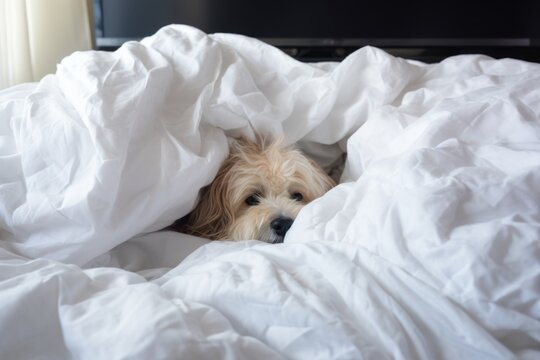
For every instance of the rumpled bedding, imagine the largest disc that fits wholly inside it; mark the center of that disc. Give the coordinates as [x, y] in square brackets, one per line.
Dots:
[429, 247]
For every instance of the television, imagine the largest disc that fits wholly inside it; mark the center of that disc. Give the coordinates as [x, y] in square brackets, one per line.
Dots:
[315, 30]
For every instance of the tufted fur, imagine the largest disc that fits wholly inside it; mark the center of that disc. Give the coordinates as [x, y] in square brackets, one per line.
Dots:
[273, 175]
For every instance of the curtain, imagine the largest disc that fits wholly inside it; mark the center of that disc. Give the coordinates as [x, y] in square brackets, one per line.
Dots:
[36, 34]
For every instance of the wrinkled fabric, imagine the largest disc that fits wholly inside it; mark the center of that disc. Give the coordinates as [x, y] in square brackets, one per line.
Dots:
[427, 249]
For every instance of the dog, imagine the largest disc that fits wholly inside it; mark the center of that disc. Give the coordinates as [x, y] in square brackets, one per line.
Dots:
[257, 193]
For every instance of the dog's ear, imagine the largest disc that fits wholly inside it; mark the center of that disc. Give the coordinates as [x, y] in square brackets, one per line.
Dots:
[324, 180]
[212, 215]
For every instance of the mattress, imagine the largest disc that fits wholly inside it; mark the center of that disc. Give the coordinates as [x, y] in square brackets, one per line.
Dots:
[428, 248]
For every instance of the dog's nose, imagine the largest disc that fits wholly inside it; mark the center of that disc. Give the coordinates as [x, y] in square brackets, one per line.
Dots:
[281, 225]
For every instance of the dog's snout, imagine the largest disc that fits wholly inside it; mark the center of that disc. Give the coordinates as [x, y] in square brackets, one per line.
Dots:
[281, 225]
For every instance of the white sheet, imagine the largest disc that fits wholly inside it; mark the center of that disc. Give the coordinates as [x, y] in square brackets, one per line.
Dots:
[429, 248]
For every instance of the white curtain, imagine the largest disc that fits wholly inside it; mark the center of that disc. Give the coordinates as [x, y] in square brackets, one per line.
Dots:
[36, 34]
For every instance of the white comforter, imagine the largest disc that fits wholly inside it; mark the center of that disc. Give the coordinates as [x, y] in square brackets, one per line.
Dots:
[428, 249]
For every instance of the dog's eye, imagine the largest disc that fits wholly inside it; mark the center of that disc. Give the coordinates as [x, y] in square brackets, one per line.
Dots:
[252, 200]
[297, 196]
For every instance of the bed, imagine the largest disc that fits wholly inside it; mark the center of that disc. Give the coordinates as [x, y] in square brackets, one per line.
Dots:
[428, 248]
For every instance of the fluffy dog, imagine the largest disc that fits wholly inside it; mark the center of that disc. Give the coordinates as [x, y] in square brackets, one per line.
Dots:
[257, 193]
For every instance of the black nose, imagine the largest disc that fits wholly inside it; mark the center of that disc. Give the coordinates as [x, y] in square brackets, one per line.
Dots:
[281, 224]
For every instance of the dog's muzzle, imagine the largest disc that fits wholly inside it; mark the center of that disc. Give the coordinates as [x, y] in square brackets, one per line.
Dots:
[280, 226]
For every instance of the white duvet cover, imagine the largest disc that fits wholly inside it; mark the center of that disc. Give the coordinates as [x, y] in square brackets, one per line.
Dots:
[428, 249]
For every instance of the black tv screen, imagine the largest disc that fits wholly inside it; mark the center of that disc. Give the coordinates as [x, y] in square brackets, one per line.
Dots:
[331, 23]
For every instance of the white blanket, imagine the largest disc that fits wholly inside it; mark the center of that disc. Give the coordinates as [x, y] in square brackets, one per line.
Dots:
[428, 249]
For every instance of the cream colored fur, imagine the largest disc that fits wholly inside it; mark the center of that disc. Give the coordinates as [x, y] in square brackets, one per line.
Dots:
[266, 171]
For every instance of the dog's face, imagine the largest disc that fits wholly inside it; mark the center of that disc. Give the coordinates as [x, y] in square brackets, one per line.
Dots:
[258, 193]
